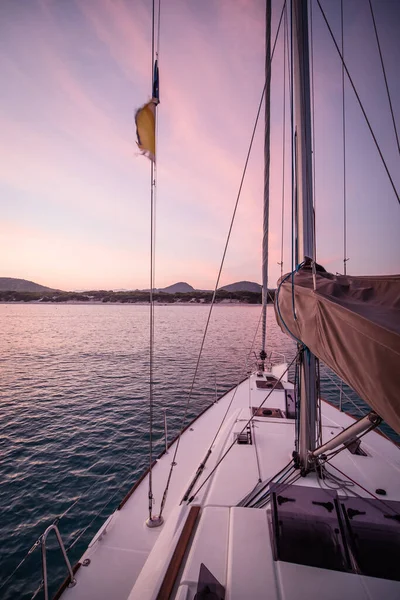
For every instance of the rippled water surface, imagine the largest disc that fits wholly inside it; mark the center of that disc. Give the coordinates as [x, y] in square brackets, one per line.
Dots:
[74, 419]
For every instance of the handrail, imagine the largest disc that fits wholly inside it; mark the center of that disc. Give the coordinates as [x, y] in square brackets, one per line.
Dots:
[72, 582]
[279, 354]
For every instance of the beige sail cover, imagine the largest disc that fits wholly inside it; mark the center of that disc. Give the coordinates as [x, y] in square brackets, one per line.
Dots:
[353, 325]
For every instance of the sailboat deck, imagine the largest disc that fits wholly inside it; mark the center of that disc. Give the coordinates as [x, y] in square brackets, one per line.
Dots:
[129, 560]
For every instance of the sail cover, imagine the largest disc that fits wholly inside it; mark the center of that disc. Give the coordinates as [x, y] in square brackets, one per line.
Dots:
[353, 325]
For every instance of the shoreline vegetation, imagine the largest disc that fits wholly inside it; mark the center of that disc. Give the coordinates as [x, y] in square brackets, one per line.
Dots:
[135, 297]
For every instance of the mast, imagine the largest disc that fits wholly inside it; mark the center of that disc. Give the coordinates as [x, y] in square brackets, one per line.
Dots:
[304, 211]
[267, 98]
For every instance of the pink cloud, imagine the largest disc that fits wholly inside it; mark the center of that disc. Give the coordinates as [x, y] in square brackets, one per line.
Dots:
[125, 30]
[54, 260]
[42, 166]
[204, 119]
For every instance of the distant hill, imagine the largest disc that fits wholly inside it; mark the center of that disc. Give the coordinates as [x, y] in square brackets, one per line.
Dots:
[177, 288]
[10, 284]
[242, 286]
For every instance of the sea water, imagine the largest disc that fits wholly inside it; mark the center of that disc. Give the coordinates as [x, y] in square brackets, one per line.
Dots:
[74, 411]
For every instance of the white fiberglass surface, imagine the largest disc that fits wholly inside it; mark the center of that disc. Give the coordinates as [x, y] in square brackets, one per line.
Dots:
[118, 557]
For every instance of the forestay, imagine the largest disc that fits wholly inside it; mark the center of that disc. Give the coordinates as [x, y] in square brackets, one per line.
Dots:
[353, 325]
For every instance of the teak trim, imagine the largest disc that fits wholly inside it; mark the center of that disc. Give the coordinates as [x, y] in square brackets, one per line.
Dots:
[178, 555]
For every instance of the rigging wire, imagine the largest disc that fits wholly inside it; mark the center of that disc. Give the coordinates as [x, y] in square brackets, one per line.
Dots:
[157, 59]
[31, 549]
[236, 388]
[101, 475]
[252, 497]
[387, 506]
[38, 589]
[65, 512]
[268, 62]
[255, 335]
[125, 454]
[153, 175]
[297, 405]
[265, 498]
[345, 259]
[243, 429]
[285, 27]
[78, 537]
[158, 29]
[293, 141]
[345, 485]
[340, 388]
[218, 278]
[122, 464]
[255, 449]
[384, 75]
[313, 136]
[80, 534]
[151, 381]
[288, 480]
[344, 394]
[360, 103]
[319, 409]
[338, 483]
[201, 466]
[267, 160]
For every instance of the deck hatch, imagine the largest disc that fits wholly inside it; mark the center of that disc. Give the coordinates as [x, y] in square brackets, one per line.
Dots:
[266, 411]
[373, 530]
[269, 383]
[318, 528]
[306, 528]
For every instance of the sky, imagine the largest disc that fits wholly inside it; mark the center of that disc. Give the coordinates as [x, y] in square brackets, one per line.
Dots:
[75, 191]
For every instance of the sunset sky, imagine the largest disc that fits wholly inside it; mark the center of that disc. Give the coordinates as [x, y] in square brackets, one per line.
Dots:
[74, 190]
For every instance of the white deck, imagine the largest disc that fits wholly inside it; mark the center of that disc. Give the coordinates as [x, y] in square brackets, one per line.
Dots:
[129, 560]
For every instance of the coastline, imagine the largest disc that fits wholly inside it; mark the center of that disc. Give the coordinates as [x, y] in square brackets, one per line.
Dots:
[119, 303]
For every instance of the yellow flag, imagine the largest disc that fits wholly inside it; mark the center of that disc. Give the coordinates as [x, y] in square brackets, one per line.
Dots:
[145, 119]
